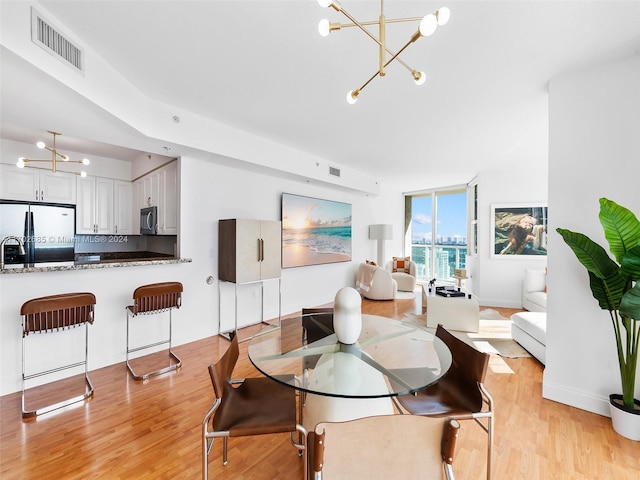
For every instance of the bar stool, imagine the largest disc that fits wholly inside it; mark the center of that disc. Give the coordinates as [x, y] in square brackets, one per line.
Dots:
[54, 313]
[153, 299]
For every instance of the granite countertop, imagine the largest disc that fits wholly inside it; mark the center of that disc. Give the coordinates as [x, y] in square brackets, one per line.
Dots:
[87, 261]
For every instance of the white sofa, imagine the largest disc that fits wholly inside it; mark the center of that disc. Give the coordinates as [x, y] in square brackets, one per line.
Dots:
[534, 290]
[375, 283]
[529, 329]
[406, 281]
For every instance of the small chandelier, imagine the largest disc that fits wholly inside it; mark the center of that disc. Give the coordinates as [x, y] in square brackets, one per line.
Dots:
[55, 157]
[428, 25]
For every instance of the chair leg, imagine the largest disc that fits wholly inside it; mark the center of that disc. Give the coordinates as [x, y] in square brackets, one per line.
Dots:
[489, 445]
[225, 450]
[301, 446]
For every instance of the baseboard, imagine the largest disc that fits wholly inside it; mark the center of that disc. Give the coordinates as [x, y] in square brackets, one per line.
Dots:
[499, 302]
[575, 398]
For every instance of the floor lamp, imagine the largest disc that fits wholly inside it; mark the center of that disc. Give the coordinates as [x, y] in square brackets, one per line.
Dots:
[381, 232]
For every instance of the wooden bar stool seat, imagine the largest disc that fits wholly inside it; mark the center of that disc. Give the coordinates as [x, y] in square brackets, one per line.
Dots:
[153, 299]
[50, 314]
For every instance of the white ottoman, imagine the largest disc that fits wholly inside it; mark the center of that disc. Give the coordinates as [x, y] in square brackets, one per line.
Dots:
[529, 329]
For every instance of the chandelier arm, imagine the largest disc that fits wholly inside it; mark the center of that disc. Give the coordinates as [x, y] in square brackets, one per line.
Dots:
[48, 170]
[361, 25]
[375, 22]
[49, 160]
[394, 57]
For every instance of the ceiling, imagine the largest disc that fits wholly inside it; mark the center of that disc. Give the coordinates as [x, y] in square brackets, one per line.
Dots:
[261, 66]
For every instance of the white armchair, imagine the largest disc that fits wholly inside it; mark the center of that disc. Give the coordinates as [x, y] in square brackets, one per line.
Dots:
[375, 283]
[534, 290]
[406, 281]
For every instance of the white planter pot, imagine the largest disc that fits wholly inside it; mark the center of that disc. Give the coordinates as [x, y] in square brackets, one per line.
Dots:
[625, 422]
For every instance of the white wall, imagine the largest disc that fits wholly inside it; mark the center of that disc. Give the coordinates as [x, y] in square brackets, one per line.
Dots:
[497, 281]
[209, 192]
[594, 151]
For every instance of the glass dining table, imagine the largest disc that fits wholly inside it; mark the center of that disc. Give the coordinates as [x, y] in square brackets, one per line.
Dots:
[342, 382]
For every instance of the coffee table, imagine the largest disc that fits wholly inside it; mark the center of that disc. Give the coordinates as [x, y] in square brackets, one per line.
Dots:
[453, 313]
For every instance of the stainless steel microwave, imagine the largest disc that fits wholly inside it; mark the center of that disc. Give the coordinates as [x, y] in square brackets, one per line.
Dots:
[149, 221]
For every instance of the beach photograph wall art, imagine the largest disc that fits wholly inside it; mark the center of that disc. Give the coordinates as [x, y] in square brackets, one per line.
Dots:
[314, 231]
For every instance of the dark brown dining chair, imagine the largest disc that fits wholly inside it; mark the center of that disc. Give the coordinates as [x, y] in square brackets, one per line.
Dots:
[387, 446]
[250, 406]
[317, 323]
[461, 393]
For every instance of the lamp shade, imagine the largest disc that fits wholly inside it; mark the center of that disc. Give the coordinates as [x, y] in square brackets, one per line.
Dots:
[380, 232]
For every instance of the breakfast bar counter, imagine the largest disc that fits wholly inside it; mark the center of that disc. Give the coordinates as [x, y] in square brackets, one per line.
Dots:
[95, 261]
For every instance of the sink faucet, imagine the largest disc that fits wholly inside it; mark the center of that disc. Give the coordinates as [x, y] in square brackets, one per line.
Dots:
[5, 240]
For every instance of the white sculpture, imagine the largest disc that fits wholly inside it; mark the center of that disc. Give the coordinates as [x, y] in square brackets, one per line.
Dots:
[347, 315]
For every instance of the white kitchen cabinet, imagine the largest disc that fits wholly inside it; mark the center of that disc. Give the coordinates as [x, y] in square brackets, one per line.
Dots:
[37, 185]
[249, 250]
[95, 207]
[123, 207]
[168, 203]
[159, 189]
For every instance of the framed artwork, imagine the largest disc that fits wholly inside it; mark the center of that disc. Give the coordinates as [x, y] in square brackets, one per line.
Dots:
[314, 231]
[518, 230]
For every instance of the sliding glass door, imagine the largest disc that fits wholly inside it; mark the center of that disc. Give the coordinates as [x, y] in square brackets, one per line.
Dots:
[436, 226]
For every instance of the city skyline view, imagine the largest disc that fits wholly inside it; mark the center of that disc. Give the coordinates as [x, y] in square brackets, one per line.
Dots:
[451, 226]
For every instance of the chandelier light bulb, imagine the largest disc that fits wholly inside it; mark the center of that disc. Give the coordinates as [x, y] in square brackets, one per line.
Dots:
[83, 173]
[324, 27]
[324, 3]
[420, 78]
[443, 15]
[65, 158]
[428, 25]
[85, 161]
[20, 163]
[40, 145]
[352, 97]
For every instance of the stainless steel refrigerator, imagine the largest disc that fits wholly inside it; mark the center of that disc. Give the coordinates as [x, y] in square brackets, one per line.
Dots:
[47, 230]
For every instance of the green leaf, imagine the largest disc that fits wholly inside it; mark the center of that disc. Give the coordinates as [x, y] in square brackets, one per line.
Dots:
[631, 264]
[630, 303]
[621, 228]
[607, 286]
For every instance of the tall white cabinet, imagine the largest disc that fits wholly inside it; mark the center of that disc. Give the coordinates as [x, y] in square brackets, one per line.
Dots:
[159, 189]
[249, 251]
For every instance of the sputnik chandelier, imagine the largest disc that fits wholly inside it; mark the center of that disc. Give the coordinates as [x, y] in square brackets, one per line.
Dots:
[55, 155]
[428, 25]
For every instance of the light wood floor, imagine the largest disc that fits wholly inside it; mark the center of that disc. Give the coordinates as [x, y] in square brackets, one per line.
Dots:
[135, 430]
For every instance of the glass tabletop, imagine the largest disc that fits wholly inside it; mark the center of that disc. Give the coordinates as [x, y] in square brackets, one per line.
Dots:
[390, 357]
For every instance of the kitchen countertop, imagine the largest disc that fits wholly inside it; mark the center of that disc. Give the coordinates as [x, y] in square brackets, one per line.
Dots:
[100, 260]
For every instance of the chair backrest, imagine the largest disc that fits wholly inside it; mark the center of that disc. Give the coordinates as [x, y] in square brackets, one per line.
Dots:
[221, 371]
[387, 446]
[317, 323]
[412, 267]
[57, 312]
[157, 297]
[468, 366]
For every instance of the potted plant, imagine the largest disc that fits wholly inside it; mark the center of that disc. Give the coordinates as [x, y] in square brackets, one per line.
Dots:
[614, 285]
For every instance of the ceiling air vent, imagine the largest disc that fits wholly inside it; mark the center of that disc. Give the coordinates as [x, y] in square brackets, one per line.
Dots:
[334, 171]
[50, 39]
